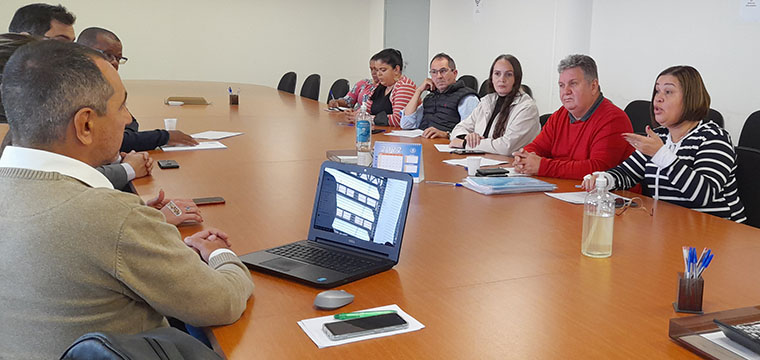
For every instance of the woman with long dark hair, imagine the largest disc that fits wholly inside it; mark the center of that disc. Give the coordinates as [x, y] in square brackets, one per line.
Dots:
[506, 119]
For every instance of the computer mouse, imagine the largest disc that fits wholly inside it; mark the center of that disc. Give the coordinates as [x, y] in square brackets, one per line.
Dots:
[332, 299]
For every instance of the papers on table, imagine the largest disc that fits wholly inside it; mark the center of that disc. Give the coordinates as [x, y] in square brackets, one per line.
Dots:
[577, 197]
[720, 339]
[483, 162]
[406, 133]
[445, 148]
[313, 328]
[215, 135]
[207, 145]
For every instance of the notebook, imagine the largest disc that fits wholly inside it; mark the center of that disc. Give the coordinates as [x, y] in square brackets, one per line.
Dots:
[357, 224]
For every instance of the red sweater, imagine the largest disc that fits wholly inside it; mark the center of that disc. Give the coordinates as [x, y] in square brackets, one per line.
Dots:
[571, 151]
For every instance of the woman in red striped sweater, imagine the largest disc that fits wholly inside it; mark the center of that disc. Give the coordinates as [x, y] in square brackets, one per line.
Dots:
[394, 91]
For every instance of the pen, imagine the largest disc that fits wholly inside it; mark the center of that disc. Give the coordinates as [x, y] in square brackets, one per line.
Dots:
[230, 90]
[442, 183]
[361, 314]
[578, 186]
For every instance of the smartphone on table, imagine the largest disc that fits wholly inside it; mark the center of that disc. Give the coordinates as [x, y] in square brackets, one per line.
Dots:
[347, 329]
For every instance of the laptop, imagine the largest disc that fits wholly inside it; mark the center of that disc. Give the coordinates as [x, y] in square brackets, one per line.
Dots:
[356, 228]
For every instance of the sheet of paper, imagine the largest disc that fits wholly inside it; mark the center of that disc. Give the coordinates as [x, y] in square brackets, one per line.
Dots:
[577, 197]
[444, 148]
[215, 135]
[207, 145]
[483, 162]
[406, 133]
[313, 328]
[720, 338]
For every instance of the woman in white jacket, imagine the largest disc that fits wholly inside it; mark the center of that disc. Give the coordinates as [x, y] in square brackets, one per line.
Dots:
[506, 119]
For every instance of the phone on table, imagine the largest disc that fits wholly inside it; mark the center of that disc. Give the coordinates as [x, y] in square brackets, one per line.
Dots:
[492, 172]
[347, 329]
[468, 152]
[209, 200]
[168, 164]
[377, 131]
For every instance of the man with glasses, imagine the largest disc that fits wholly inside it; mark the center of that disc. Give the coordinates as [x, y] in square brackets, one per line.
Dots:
[448, 102]
[48, 21]
[107, 43]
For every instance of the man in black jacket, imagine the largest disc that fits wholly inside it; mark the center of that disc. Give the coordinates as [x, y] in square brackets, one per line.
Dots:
[109, 44]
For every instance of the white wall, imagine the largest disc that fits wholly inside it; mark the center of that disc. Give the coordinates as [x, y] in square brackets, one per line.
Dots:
[235, 40]
[631, 41]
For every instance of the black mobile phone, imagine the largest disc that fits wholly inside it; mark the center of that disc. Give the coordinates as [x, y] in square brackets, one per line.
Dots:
[377, 131]
[209, 200]
[347, 329]
[492, 172]
[168, 164]
[468, 152]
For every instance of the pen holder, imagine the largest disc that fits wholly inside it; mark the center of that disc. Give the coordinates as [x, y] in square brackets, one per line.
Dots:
[689, 298]
[234, 99]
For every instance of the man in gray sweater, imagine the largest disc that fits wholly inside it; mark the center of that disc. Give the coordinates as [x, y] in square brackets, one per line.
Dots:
[79, 255]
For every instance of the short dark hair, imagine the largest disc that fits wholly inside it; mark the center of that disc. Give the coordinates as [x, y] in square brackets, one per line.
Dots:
[696, 99]
[35, 18]
[45, 84]
[9, 43]
[391, 57]
[89, 36]
[452, 64]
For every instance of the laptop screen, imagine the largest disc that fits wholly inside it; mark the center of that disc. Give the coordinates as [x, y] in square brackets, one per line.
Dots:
[361, 207]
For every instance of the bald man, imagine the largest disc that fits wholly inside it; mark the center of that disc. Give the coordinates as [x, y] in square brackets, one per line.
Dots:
[107, 43]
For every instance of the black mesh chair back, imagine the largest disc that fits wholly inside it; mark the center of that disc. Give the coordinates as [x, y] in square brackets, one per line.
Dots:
[310, 87]
[526, 89]
[747, 171]
[338, 89]
[288, 83]
[469, 81]
[716, 117]
[750, 136]
[543, 118]
[484, 87]
[638, 112]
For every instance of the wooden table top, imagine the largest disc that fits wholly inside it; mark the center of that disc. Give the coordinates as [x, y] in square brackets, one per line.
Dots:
[489, 276]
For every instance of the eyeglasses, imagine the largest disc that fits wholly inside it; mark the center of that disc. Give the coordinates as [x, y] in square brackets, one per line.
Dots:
[120, 59]
[441, 71]
[623, 205]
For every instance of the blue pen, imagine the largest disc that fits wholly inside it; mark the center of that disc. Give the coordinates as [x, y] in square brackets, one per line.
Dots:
[708, 259]
[442, 183]
[230, 90]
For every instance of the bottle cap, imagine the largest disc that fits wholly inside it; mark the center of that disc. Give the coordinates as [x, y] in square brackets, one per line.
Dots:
[601, 182]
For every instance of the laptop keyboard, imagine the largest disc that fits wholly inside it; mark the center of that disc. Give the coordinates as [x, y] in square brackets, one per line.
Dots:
[327, 259]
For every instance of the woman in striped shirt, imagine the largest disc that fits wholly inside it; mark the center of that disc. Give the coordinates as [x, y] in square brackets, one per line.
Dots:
[395, 89]
[686, 161]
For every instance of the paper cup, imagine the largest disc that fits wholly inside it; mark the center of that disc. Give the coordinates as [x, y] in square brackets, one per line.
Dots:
[170, 124]
[473, 164]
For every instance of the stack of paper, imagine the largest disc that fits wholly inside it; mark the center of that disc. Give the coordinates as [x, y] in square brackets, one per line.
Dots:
[483, 162]
[215, 135]
[506, 185]
[207, 145]
[406, 133]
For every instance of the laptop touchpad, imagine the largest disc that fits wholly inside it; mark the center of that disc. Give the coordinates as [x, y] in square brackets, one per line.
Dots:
[282, 264]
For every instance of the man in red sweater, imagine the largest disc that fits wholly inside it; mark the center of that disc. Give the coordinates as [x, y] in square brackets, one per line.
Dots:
[584, 135]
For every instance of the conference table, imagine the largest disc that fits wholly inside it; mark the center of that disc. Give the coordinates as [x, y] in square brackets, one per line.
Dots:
[490, 277]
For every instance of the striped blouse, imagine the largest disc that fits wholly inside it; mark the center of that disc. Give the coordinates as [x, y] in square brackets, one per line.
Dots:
[402, 92]
[701, 176]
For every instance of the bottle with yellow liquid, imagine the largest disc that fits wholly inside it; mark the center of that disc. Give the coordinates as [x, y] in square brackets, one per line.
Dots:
[598, 221]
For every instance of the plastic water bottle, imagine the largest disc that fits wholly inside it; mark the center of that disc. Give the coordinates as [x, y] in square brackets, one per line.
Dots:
[364, 137]
[598, 221]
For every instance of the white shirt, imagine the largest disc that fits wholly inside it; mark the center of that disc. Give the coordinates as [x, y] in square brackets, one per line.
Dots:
[41, 160]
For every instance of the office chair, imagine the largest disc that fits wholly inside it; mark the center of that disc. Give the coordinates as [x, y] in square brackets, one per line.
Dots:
[310, 87]
[162, 343]
[638, 112]
[750, 136]
[526, 89]
[543, 118]
[338, 89]
[716, 117]
[747, 171]
[469, 81]
[288, 83]
[484, 87]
